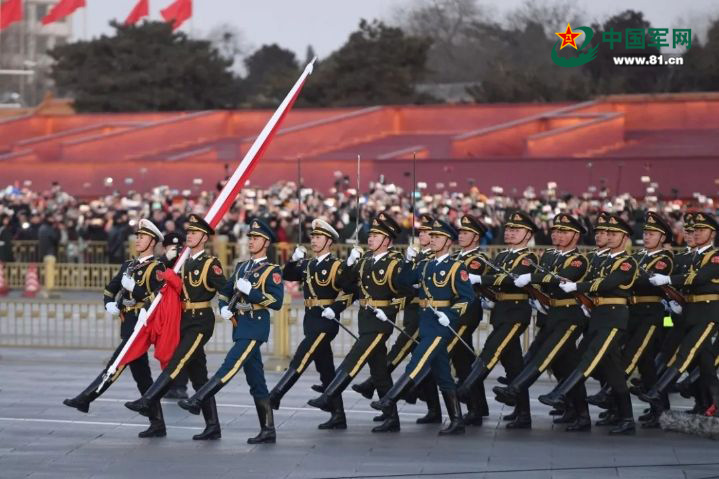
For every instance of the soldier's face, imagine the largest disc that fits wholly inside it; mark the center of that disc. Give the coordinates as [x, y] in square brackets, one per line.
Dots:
[566, 238]
[703, 236]
[555, 237]
[424, 238]
[142, 242]
[600, 238]
[514, 235]
[318, 242]
[256, 244]
[652, 239]
[375, 241]
[466, 238]
[438, 242]
[615, 239]
[689, 238]
[194, 238]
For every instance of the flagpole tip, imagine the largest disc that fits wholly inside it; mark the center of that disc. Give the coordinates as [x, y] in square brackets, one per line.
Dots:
[310, 66]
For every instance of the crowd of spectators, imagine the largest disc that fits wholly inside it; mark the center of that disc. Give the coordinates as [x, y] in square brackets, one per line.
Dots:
[54, 217]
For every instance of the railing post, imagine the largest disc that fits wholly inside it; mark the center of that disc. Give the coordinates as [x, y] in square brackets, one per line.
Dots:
[50, 263]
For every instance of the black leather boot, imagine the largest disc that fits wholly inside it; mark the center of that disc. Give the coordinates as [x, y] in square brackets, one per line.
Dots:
[511, 416]
[337, 419]
[581, 423]
[379, 418]
[288, 379]
[434, 410]
[194, 404]
[339, 383]
[479, 372]
[626, 426]
[390, 399]
[212, 422]
[456, 424]
[569, 416]
[508, 394]
[267, 433]
[558, 397]
[475, 414]
[365, 388]
[651, 420]
[684, 387]
[391, 422]
[157, 423]
[522, 421]
[612, 418]
[318, 388]
[82, 401]
[155, 393]
[654, 397]
[602, 399]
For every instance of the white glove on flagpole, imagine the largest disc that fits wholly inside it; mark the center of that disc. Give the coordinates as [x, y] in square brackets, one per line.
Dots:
[410, 254]
[299, 253]
[225, 312]
[354, 256]
[243, 286]
[112, 308]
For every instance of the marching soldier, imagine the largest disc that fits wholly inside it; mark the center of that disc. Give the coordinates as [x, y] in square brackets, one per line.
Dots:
[511, 313]
[405, 342]
[445, 293]
[320, 284]
[646, 313]
[136, 282]
[202, 277]
[600, 346]
[372, 280]
[254, 288]
[565, 322]
[700, 317]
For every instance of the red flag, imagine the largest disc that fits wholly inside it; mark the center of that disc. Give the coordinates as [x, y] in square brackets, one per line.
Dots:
[142, 9]
[177, 12]
[163, 327]
[10, 12]
[62, 10]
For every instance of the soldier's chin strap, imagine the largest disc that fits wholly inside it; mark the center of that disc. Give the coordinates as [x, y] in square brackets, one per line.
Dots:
[380, 245]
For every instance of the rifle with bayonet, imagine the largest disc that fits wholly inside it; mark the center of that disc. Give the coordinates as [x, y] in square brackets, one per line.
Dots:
[585, 300]
[533, 292]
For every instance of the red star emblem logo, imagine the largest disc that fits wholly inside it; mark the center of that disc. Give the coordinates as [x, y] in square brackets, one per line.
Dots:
[568, 37]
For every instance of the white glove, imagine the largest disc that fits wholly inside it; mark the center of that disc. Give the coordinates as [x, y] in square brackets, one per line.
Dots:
[667, 308]
[475, 279]
[299, 253]
[522, 280]
[243, 286]
[675, 307]
[410, 254]
[128, 283]
[660, 279]
[380, 315]
[534, 303]
[586, 311]
[442, 318]
[354, 256]
[568, 287]
[171, 252]
[328, 313]
[112, 308]
[486, 304]
[226, 313]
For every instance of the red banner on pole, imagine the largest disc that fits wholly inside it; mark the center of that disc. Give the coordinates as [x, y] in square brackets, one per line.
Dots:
[62, 10]
[177, 12]
[141, 10]
[10, 12]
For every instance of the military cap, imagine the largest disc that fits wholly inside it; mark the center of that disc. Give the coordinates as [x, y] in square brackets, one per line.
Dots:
[260, 228]
[689, 221]
[566, 222]
[617, 223]
[705, 220]
[602, 221]
[197, 223]
[425, 222]
[521, 219]
[471, 223]
[386, 225]
[173, 238]
[654, 222]
[443, 228]
[321, 227]
[147, 227]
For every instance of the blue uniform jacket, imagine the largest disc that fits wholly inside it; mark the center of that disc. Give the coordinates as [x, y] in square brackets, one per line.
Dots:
[267, 293]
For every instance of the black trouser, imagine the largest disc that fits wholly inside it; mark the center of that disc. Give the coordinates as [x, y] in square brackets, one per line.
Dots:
[601, 349]
[640, 350]
[370, 349]
[556, 348]
[139, 368]
[696, 348]
[504, 345]
[403, 345]
[195, 331]
[316, 347]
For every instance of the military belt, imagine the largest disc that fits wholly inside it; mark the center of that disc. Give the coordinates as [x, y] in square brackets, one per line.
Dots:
[700, 298]
[414, 301]
[314, 302]
[560, 303]
[511, 296]
[605, 301]
[375, 303]
[135, 307]
[434, 303]
[645, 299]
[192, 306]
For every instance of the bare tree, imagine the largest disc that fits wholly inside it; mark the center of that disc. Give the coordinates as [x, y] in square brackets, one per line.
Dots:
[552, 15]
[230, 42]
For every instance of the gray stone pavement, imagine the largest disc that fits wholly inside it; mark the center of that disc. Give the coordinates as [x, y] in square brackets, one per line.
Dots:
[41, 438]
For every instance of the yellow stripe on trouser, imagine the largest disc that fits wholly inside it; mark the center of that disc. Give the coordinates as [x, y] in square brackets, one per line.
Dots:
[555, 350]
[239, 362]
[421, 362]
[403, 351]
[601, 352]
[362, 358]
[693, 351]
[455, 340]
[503, 345]
[638, 354]
[308, 354]
[187, 355]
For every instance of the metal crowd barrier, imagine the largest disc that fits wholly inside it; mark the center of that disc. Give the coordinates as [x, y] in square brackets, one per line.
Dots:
[86, 325]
